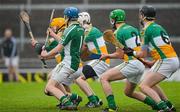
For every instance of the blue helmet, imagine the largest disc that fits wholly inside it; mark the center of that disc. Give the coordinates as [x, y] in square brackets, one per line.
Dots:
[71, 12]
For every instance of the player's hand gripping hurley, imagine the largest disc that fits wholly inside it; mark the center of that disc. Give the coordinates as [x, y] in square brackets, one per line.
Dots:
[108, 36]
[26, 20]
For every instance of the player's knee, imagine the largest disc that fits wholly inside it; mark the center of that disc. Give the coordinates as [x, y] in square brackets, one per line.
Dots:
[142, 87]
[47, 93]
[79, 80]
[127, 93]
[48, 87]
[103, 79]
[88, 71]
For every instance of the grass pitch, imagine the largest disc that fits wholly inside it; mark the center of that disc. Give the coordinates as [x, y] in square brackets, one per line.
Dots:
[29, 97]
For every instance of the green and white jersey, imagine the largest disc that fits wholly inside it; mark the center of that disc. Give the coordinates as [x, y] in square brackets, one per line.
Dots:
[72, 40]
[51, 45]
[95, 42]
[129, 37]
[158, 42]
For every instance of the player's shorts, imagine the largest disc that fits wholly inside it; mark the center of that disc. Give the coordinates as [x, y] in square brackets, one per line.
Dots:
[166, 66]
[61, 73]
[14, 61]
[132, 70]
[99, 66]
[73, 77]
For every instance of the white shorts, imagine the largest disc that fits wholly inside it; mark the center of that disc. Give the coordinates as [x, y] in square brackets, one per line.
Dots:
[72, 77]
[14, 61]
[132, 70]
[166, 66]
[99, 66]
[61, 73]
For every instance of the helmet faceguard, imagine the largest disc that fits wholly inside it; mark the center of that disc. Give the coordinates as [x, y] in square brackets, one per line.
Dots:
[117, 16]
[84, 19]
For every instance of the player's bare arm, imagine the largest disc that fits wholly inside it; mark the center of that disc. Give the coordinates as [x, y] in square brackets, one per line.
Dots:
[119, 54]
[53, 52]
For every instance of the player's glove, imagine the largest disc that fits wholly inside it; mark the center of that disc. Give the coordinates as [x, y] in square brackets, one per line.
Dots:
[128, 51]
[38, 48]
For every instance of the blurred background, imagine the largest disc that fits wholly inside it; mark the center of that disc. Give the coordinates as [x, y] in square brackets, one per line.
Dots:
[168, 15]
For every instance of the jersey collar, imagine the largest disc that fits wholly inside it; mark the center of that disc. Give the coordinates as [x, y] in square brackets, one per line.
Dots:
[72, 23]
[148, 24]
[119, 27]
[88, 30]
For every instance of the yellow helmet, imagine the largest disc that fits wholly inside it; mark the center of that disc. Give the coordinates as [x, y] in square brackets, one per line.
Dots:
[59, 22]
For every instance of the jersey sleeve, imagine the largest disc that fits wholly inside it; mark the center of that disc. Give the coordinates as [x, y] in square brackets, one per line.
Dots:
[93, 35]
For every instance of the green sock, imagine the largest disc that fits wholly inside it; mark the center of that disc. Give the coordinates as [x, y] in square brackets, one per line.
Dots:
[92, 98]
[162, 105]
[168, 103]
[73, 96]
[64, 100]
[97, 98]
[149, 101]
[111, 102]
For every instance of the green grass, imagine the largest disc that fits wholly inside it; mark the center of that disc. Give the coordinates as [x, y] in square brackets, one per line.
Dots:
[29, 97]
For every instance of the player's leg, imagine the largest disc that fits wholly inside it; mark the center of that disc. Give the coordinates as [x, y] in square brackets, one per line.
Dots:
[161, 69]
[150, 80]
[84, 86]
[112, 74]
[52, 89]
[67, 88]
[59, 86]
[59, 74]
[163, 96]
[94, 101]
[130, 92]
[74, 98]
[93, 69]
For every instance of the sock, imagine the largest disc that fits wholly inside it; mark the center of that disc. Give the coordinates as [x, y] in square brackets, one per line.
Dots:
[92, 98]
[73, 96]
[111, 102]
[162, 105]
[64, 100]
[169, 104]
[97, 98]
[149, 101]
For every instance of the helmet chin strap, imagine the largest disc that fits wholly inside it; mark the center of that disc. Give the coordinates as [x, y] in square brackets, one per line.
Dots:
[142, 21]
[66, 20]
[87, 26]
[114, 24]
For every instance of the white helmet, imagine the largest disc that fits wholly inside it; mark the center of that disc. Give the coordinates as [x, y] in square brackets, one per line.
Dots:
[84, 18]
